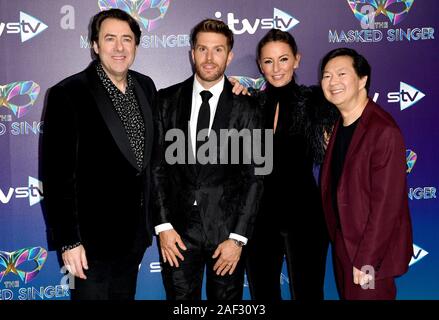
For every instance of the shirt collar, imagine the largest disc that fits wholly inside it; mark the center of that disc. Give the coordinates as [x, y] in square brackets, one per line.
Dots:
[215, 90]
[106, 81]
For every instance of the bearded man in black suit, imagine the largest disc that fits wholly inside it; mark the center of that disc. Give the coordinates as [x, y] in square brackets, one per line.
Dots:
[205, 211]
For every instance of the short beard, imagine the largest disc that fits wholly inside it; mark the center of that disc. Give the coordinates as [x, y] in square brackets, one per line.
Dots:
[211, 78]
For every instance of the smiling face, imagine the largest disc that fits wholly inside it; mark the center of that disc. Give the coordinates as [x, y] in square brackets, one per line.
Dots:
[278, 62]
[116, 48]
[341, 84]
[211, 56]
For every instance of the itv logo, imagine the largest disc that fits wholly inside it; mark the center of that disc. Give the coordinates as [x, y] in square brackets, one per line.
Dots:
[281, 20]
[28, 27]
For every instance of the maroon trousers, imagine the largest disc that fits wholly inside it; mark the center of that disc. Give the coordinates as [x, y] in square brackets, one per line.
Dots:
[385, 289]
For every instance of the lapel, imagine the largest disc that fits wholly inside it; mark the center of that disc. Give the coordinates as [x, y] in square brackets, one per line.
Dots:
[184, 106]
[326, 183]
[326, 169]
[327, 164]
[223, 109]
[109, 115]
[353, 146]
[147, 119]
[358, 135]
[221, 120]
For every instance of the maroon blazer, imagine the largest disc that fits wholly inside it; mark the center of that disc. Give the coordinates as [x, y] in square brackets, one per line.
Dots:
[372, 195]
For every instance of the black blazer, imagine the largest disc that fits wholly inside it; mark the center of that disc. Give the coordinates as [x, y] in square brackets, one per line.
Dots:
[227, 194]
[94, 190]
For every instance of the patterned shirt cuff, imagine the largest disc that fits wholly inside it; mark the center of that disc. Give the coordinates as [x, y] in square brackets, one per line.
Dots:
[70, 246]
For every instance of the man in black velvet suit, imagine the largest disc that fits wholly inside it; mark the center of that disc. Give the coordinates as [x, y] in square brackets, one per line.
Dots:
[205, 212]
[97, 142]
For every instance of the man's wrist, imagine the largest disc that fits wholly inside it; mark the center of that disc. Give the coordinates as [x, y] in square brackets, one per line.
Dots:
[162, 227]
[238, 242]
[70, 246]
[240, 238]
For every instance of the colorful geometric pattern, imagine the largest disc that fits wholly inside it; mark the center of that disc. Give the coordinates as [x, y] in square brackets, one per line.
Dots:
[12, 260]
[137, 9]
[411, 158]
[381, 7]
[15, 89]
[257, 84]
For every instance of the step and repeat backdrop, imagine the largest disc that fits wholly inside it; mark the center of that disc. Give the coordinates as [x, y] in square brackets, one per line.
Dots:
[44, 41]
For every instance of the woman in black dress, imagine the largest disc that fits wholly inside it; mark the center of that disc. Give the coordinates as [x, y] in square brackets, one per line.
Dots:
[290, 221]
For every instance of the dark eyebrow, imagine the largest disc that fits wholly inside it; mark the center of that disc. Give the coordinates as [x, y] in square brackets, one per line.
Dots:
[113, 35]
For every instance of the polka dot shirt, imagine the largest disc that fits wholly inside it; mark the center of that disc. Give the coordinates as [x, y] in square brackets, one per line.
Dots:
[129, 113]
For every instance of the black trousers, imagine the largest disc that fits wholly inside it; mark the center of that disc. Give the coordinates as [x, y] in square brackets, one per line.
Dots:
[305, 258]
[185, 282]
[114, 275]
[114, 280]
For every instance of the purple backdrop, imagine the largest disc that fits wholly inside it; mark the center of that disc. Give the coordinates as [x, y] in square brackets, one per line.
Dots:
[44, 41]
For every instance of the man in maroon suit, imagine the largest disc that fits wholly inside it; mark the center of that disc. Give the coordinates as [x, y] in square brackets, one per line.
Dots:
[364, 184]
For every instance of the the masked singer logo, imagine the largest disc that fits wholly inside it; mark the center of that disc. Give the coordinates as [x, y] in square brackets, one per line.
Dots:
[139, 10]
[367, 10]
[381, 20]
[12, 91]
[13, 261]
